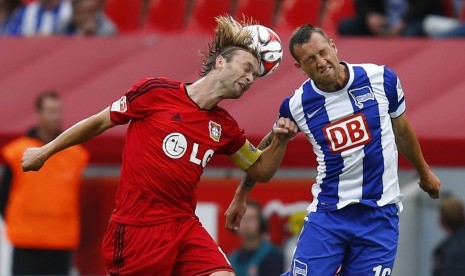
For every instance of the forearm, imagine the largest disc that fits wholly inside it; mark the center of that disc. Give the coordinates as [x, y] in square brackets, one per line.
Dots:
[409, 147]
[79, 133]
[270, 160]
[248, 182]
[265, 167]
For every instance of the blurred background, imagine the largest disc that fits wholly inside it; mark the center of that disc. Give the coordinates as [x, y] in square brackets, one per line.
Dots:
[92, 51]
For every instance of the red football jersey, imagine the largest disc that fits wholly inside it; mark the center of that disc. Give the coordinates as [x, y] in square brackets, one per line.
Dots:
[169, 141]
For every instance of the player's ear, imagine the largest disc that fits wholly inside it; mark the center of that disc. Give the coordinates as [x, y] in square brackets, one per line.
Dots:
[298, 66]
[333, 45]
[219, 61]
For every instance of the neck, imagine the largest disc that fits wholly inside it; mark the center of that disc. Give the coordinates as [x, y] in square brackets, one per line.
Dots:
[205, 93]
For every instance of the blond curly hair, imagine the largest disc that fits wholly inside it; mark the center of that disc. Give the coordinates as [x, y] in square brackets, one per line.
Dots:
[230, 36]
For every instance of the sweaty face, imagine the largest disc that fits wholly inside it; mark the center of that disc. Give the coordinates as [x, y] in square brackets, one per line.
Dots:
[51, 115]
[318, 59]
[238, 74]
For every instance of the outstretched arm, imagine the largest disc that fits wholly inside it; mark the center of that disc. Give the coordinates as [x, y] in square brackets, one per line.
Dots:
[408, 146]
[34, 158]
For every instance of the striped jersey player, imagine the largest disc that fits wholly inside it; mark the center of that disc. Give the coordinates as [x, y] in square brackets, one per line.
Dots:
[354, 117]
[351, 134]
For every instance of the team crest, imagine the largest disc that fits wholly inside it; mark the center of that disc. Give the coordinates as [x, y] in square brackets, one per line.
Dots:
[120, 105]
[361, 95]
[215, 131]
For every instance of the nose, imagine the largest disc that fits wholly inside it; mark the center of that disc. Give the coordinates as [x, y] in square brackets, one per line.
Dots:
[320, 61]
[250, 78]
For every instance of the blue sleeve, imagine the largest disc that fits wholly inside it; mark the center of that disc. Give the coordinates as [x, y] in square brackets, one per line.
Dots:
[394, 93]
[284, 110]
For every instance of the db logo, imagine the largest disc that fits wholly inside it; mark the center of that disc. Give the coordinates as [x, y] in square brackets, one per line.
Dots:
[347, 133]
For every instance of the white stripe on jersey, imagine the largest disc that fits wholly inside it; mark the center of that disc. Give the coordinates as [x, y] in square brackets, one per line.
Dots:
[340, 105]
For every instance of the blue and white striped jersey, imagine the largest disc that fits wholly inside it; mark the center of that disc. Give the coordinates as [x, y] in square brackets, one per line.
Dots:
[33, 19]
[351, 134]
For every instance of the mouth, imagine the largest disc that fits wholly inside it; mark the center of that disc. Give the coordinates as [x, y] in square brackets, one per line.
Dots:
[243, 86]
[325, 70]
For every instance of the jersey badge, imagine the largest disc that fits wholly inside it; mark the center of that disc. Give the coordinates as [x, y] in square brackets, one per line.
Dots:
[215, 131]
[361, 95]
[120, 105]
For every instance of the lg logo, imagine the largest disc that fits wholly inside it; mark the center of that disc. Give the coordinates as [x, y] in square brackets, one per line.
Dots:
[175, 146]
[348, 133]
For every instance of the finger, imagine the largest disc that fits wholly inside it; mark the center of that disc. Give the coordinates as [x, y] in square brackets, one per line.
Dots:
[280, 130]
[281, 123]
[236, 224]
[287, 123]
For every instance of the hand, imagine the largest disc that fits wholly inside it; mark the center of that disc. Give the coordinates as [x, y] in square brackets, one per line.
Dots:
[285, 129]
[234, 214]
[32, 159]
[430, 184]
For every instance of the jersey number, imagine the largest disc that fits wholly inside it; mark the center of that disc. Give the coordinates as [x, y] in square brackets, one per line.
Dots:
[379, 271]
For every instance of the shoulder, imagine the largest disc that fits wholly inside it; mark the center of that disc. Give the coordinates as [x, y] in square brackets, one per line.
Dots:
[305, 87]
[224, 116]
[375, 70]
[148, 85]
[368, 67]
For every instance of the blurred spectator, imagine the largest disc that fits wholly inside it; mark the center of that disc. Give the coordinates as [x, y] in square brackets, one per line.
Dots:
[295, 224]
[449, 255]
[89, 19]
[6, 9]
[257, 256]
[390, 17]
[41, 209]
[40, 17]
[447, 27]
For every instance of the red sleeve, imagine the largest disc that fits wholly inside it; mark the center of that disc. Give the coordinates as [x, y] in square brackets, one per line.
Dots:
[235, 135]
[136, 103]
[236, 143]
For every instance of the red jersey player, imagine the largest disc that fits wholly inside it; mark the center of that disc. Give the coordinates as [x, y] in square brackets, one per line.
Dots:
[174, 130]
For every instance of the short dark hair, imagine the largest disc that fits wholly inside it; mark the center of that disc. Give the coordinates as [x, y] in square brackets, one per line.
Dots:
[52, 94]
[302, 35]
[452, 213]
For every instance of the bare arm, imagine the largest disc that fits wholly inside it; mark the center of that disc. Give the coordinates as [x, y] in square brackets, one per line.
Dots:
[408, 146]
[34, 158]
[273, 146]
[238, 205]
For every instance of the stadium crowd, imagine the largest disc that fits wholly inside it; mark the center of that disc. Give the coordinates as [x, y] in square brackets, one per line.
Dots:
[431, 18]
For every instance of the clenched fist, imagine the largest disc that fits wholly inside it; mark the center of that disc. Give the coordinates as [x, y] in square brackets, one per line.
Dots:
[33, 159]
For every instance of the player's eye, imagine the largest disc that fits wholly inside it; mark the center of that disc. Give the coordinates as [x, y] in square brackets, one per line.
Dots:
[310, 60]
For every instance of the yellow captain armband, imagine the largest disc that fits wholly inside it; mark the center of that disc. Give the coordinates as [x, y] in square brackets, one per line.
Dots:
[246, 156]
